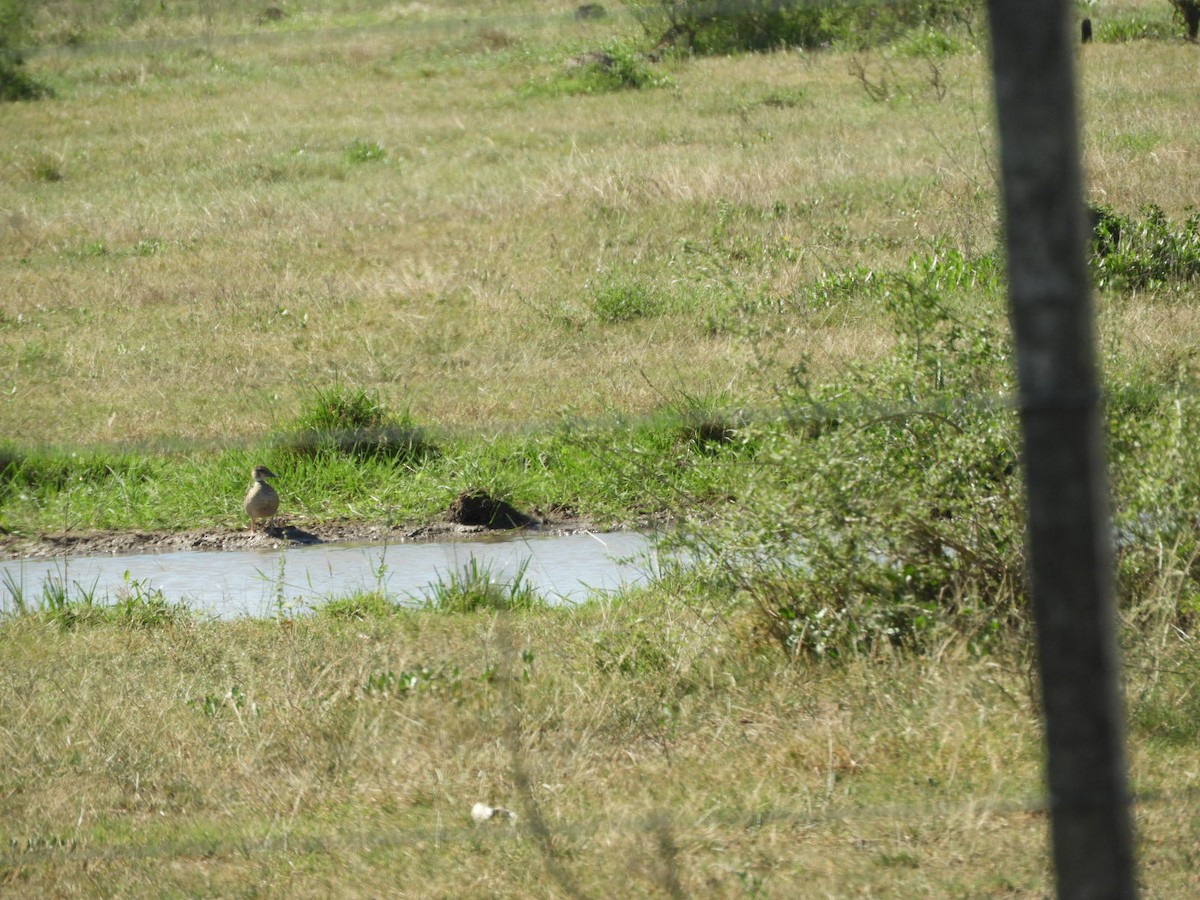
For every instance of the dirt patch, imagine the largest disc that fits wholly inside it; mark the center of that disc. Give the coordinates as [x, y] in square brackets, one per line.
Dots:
[478, 508]
[292, 531]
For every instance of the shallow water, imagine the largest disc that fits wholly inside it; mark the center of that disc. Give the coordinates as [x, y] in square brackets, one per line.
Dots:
[257, 582]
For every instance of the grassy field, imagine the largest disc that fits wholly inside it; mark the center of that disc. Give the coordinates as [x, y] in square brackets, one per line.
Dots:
[650, 748]
[200, 231]
[215, 220]
[653, 747]
[760, 293]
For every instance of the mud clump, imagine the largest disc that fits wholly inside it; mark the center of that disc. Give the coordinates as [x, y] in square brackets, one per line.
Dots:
[478, 509]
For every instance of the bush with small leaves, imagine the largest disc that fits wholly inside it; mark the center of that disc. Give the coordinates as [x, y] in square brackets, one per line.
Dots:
[889, 505]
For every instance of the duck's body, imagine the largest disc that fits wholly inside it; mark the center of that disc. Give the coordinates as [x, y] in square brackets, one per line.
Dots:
[262, 500]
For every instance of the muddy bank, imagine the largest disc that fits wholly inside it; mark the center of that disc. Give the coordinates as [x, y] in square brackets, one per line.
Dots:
[292, 531]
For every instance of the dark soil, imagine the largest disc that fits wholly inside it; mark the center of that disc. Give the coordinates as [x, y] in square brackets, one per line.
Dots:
[291, 531]
[479, 508]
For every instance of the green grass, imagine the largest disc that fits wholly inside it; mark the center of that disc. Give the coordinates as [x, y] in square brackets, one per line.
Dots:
[351, 422]
[476, 587]
[612, 472]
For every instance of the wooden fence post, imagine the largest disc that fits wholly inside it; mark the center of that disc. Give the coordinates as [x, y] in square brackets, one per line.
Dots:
[1070, 541]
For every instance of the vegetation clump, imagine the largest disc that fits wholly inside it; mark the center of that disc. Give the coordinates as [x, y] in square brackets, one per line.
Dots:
[15, 82]
[354, 422]
[71, 605]
[1188, 12]
[477, 587]
[707, 28]
[1145, 252]
[617, 68]
[889, 506]
[619, 300]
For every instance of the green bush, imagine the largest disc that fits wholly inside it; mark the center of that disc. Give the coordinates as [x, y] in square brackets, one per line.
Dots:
[710, 27]
[1154, 455]
[1150, 252]
[15, 83]
[888, 505]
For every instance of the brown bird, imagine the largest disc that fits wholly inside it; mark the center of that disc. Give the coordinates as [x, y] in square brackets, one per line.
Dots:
[262, 501]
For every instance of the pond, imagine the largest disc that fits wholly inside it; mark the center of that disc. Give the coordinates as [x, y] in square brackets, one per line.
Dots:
[261, 582]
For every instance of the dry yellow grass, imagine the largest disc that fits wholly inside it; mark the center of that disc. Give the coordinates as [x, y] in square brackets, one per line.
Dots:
[661, 749]
[297, 778]
[187, 247]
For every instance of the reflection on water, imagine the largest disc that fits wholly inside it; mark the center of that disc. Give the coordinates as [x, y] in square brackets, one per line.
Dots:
[256, 582]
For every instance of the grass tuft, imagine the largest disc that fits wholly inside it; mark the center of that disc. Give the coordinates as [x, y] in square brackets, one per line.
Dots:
[359, 607]
[74, 606]
[477, 587]
[354, 422]
[601, 72]
[365, 151]
[620, 300]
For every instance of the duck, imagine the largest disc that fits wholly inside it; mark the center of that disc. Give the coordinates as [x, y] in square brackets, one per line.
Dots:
[262, 500]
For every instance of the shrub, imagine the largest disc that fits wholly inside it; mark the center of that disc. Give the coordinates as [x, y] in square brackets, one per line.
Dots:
[1150, 252]
[15, 83]
[728, 26]
[890, 505]
[1154, 454]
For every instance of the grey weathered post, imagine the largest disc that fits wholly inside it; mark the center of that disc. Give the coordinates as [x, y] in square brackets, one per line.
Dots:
[1069, 533]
